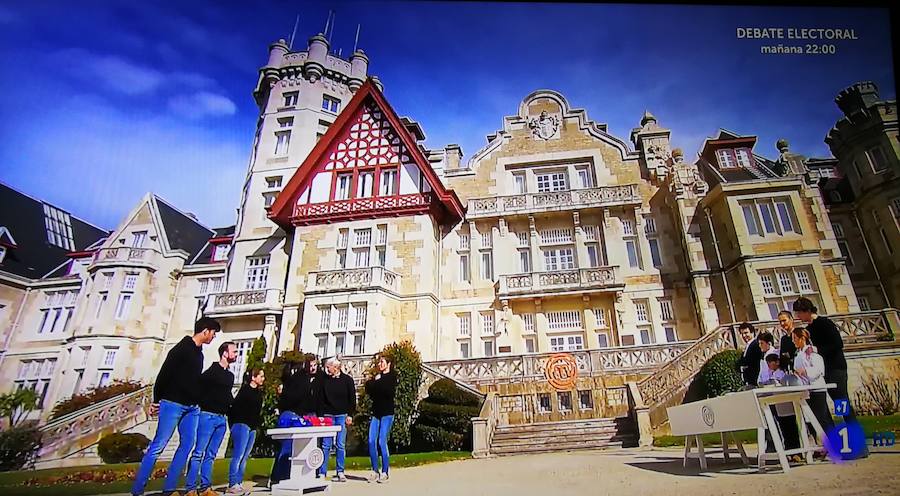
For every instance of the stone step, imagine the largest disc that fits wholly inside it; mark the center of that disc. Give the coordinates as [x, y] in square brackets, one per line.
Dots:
[550, 440]
[554, 447]
[558, 426]
[584, 433]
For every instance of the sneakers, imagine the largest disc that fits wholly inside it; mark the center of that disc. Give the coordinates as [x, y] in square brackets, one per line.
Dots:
[340, 477]
[374, 478]
[235, 489]
[383, 478]
[209, 492]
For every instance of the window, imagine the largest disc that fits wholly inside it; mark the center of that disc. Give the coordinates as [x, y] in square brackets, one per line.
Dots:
[767, 216]
[487, 239]
[895, 211]
[109, 357]
[645, 336]
[665, 310]
[382, 234]
[584, 178]
[341, 322]
[551, 181]
[631, 250]
[838, 230]
[573, 342]
[654, 252]
[382, 256]
[331, 104]
[528, 322]
[342, 189]
[627, 340]
[600, 317]
[489, 347]
[523, 239]
[464, 267]
[649, 225]
[273, 182]
[361, 257]
[257, 272]
[339, 342]
[464, 322]
[360, 314]
[487, 265]
[524, 260]
[640, 311]
[864, 303]
[138, 238]
[130, 282]
[566, 319]
[784, 285]
[544, 402]
[285, 122]
[487, 323]
[364, 182]
[242, 348]
[2, 253]
[56, 311]
[324, 318]
[556, 236]
[593, 252]
[209, 285]
[101, 302]
[519, 182]
[322, 345]
[59, 227]
[343, 236]
[585, 400]
[743, 157]
[530, 345]
[282, 142]
[603, 339]
[36, 375]
[671, 337]
[123, 306]
[465, 349]
[565, 400]
[359, 343]
[346, 324]
[559, 259]
[726, 159]
[881, 231]
[463, 241]
[290, 98]
[627, 227]
[388, 182]
[877, 159]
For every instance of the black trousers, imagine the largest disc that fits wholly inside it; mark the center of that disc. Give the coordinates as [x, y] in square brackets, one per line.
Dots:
[839, 378]
[790, 433]
[818, 403]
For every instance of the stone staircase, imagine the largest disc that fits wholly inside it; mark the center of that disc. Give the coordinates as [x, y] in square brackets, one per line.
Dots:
[566, 435]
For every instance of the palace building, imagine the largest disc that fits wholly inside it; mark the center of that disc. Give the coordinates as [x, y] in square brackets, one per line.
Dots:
[556, 236]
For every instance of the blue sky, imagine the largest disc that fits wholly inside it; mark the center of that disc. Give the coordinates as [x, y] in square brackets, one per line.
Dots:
[105, 101]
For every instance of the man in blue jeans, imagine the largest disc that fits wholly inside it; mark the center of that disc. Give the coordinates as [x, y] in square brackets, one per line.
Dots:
[175, 400]
[337, 399]
[215, 401]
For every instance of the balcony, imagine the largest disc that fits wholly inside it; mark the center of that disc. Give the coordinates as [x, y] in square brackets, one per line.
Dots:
[126, 256]
[606, 196]
[352, 279]
[562, 281]
[244, 303]
[354, 208]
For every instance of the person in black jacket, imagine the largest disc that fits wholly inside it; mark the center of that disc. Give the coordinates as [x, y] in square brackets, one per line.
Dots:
[749, 361]
[175, 399]
[298, 397]
[244, 417]
[381, 390]
[786, 349]
[337, 399]
[215, 402]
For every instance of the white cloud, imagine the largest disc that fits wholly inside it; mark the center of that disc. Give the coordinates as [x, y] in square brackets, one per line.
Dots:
[202, 104]
[115, 73]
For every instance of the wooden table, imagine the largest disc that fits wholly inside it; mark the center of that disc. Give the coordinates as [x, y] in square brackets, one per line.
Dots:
[746, 410]
[306, 458]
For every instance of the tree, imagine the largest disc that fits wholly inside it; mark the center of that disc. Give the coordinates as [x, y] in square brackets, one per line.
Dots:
[257, 356]
[15, 406]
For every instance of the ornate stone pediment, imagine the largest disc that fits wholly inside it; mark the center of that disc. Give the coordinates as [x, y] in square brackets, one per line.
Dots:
[545, 126]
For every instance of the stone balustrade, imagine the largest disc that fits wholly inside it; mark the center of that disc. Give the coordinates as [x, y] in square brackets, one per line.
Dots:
[127, 256]
[249, 302]
[532, 283]
[352, 279]
[605, 196]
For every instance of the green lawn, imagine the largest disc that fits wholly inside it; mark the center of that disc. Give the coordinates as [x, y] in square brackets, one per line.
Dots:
[257, 470]
[870, 424]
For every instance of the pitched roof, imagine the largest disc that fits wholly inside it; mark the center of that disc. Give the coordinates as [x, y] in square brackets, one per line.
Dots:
[183, 232]
[33, 255]
[368, 94]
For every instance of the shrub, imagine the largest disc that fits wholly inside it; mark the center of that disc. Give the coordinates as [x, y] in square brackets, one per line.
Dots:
[265, 447]
[93, 396]
[122, 448]
[446, 392]
[454, 418]
[257, 356]
[721, 374]
[407, 362]
[427, 438]
[878, 396]
[14, 406]
[18, 447]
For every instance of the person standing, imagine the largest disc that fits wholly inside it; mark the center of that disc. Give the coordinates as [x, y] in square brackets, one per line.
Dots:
[749, 362]
[783, 412]
[215, 402]
[244, 417]
[175, 399]
[297, 398]
[810, 368]
[786, 349]
[381, 390]
[337, 400]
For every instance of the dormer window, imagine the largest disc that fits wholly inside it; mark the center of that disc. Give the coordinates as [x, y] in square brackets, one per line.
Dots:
[220, 252]
[743, 157]
[2, 253]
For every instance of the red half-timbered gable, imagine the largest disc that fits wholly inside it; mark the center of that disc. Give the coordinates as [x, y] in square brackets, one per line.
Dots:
[367, 165]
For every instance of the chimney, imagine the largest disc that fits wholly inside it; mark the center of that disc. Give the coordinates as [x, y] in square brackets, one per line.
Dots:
[452, 157]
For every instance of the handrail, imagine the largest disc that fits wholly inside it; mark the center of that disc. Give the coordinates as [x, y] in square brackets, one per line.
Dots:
[484, 425]
[96, 406]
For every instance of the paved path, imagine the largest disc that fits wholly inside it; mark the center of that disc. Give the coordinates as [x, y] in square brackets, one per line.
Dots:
[655, 472]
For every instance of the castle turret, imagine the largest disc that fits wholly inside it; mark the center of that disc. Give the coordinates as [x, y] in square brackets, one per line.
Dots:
[359, 68]
[318, 52]
[857, 97]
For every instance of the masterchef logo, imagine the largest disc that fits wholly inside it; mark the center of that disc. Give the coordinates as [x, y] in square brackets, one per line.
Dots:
[561, 371]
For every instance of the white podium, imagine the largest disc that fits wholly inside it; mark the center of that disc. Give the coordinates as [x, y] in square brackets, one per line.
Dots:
[306, 458]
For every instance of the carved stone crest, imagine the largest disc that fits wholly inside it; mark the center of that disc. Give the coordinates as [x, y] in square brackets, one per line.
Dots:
[544, 126]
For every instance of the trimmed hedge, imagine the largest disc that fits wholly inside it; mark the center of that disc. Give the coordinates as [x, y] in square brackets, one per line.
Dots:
[445, 392]
[721, 374]
[122, 448]
[427, 438]
[18, 447]
[445, 418]
[93, 396]
[454, 418]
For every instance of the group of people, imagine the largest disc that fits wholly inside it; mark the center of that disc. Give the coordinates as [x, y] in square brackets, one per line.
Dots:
[813, 355]
[200, 406]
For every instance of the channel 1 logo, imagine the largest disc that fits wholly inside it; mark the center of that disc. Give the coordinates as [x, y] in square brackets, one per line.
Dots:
[847, 441]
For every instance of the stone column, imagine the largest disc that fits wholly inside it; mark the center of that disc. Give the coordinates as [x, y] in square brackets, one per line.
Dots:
[269, 330]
